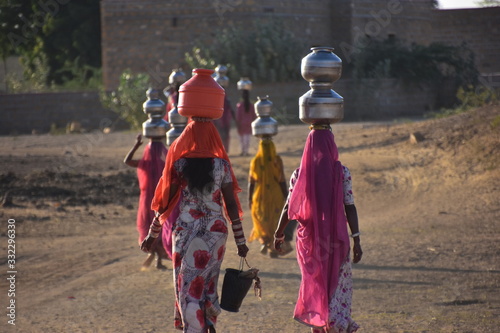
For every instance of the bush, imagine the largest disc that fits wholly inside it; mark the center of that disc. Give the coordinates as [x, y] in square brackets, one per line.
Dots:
[127, 100]
[418, 64]
[266, 52]
[470, 97]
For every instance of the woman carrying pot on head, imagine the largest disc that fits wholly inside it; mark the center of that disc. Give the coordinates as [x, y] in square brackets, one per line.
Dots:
[267, 191]
[149, 169]
[245, 115]
[321, 201]
[223, 124]
[198, 177]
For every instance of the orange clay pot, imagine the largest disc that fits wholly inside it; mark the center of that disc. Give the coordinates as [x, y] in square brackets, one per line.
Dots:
[201, 96]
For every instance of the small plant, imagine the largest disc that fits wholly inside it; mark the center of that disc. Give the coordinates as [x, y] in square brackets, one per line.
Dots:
[470, 97]
[128, 98]
[495, 122]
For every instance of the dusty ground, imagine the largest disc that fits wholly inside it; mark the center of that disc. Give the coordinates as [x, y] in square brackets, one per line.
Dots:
[429, 215]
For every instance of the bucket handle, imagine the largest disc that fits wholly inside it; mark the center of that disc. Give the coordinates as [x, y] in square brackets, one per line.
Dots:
[242, 260]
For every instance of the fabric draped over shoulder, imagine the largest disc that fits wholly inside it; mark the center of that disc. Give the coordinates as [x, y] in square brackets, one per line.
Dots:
[199, 139]
[316, 202]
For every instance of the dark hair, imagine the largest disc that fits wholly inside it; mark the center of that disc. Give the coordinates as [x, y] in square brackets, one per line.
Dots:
[245, 94]
[199, 173]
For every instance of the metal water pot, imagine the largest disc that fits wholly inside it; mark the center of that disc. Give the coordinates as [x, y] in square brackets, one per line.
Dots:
[173, 134]
[175, 118]
[264, 125]
[321, 105]
[178, 123]
[155, 127]
[321, 65]
[177, 76]
[244, 84]
[153, 106]
[220, 76]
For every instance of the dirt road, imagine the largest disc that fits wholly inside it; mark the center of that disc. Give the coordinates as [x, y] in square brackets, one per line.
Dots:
[429, 215]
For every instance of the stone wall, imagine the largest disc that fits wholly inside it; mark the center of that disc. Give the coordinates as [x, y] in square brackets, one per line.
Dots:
[38, 112]
[153, 36]
[479, 28]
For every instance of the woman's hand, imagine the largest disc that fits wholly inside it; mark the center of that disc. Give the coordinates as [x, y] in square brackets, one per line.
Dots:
[147, 243]
[138, 140]
[242, 250]
[358, 253]
[278, 242]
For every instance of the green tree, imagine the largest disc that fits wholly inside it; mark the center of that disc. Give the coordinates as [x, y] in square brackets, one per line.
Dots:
[128, 98]
[62, 34]
[266, 52]
[391, 58]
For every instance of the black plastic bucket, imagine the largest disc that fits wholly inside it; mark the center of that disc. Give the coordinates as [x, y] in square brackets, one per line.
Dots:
[234, 290]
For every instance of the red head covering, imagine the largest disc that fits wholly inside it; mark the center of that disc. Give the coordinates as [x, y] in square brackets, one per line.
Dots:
[199, 139]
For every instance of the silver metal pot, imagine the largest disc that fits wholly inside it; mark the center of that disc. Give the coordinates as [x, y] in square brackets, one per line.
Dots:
[178, 123]
[321, 65]
[155, 127]
[244, 84]
[175, 118]
[153, 106]
[264, 125]
[263, 106]
[221, 69]
[177, 76]
[173, 134]
[321, 106]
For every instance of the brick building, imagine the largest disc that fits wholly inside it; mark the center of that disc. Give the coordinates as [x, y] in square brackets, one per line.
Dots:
[152, 36]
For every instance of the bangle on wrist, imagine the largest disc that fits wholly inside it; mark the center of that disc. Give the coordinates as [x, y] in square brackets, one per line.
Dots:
[276, 238]
[356, 234]
[153, 234]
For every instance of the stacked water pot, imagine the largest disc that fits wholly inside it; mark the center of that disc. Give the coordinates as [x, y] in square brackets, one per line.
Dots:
[178, 122]
[220, 76]
[155, 127]
[264, 126]
[321, 105]
[177, 77]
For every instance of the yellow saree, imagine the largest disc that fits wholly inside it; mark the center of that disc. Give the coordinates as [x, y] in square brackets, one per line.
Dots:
[266, 171]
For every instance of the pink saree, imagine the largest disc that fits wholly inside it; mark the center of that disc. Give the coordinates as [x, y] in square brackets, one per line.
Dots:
[322, 242]
[149, 171]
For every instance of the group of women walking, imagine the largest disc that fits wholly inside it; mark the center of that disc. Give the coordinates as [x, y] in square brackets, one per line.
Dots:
[196, 199]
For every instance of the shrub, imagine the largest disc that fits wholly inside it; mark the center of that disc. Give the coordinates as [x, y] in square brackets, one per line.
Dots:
[266, 52]
[128, 98]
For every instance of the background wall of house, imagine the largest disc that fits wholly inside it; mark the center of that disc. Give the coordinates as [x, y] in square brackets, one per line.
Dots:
[478, 28]
[152, 36]
[38, 112]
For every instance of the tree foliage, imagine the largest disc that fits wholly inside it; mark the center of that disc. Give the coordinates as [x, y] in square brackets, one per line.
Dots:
[415, 63]
[64, 35]
[266, 52]
[128, 98]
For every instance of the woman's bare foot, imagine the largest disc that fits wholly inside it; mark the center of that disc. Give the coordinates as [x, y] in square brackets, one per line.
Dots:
[148, 261]
[159, 265]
